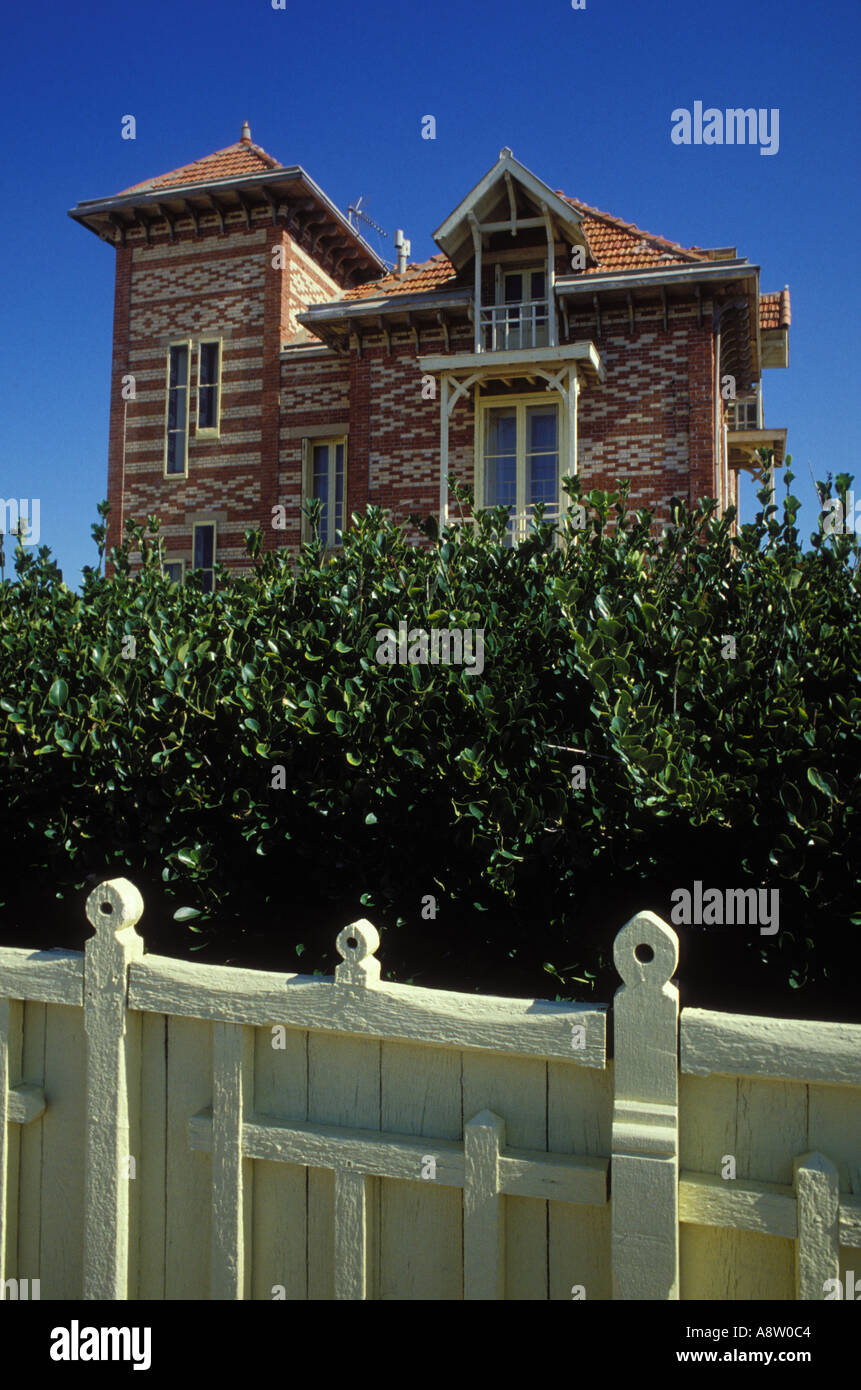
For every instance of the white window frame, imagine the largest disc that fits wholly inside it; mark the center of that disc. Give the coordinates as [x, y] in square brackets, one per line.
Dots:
[554, 510]
[187, 344]
[524, 271]
[308, 447]
[204, 569]
[209, 431]
[175, 560]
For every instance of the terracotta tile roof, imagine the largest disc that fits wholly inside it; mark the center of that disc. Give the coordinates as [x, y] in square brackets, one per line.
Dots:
[416, 279]
[774, 309]
[616, 245]
[619, 245]
[230, 163]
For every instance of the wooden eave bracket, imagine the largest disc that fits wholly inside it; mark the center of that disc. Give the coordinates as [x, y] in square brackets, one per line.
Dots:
[274, 205]
[597, 307]
[192, 212]
[386, 334]
[443, 323]
[117, 222]
[169, 219]
[218, 209]
[246, 208]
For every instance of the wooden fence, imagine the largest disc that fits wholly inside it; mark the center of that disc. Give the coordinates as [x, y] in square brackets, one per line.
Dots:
[171, 1130]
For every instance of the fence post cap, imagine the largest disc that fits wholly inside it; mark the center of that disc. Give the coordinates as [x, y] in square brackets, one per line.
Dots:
[653, 966]
[113, 906]
[357, 944]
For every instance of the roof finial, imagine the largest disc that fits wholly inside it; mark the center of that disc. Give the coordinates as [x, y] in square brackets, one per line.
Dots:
[245, 137]
[505, 152]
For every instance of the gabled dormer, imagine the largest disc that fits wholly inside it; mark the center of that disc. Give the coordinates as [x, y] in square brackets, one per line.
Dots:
[514, 235]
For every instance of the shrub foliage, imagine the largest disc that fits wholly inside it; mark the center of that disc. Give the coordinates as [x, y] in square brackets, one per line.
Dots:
[247, 759]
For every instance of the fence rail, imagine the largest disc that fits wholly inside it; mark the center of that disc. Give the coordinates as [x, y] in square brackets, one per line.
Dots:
[176, 1130]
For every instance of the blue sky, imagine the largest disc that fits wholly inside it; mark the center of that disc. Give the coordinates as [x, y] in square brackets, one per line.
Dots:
[582, 97]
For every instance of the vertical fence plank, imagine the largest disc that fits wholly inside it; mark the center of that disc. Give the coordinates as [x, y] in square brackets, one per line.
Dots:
[232, 1083]
[5, 1127]
[645, 1164]
[113, 909]
[772, 1127]
[151, 1154]
[63, 1145]
[188, 1196]
[817, 1248]
[421, 1222]
[579, 1120]
[516, 1089]
[31, 1150]
[709, 1256]
[280, 1189]
[483, 1209]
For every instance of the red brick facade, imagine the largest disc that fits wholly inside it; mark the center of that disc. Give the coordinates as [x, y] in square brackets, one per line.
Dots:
[244, 268]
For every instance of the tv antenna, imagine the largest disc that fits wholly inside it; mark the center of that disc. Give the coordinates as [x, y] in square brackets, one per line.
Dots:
[355, 209]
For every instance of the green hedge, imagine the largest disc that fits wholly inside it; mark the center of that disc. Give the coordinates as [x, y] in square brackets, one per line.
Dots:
[159, 758]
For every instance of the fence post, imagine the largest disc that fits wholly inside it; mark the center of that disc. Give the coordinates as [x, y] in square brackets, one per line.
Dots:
[644, 1190]
[112, 909]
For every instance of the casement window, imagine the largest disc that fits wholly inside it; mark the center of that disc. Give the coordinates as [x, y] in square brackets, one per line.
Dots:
[173, 570]
[204, 553]
[176, 415]
[325, 481]
[208, 387]
[518, 463]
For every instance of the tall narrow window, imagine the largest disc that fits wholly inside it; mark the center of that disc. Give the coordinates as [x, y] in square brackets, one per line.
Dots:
[521, 461]
[204, 554]
[176, 427]
[209, 370]
[326, 485]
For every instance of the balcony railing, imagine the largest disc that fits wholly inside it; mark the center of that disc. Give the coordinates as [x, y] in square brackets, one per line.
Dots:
[513, 326]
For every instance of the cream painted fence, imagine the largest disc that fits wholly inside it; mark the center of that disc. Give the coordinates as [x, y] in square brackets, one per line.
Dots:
[180, 1131]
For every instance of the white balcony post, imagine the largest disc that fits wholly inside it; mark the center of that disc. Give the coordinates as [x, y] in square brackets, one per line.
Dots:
[443, 450]
[550, 287]
[573, 395]
[476, 241]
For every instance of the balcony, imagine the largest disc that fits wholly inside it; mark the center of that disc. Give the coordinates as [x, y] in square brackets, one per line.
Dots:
[515, 327]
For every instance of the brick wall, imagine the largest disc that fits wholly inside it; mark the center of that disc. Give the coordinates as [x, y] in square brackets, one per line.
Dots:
[651, 420]
[208, 283]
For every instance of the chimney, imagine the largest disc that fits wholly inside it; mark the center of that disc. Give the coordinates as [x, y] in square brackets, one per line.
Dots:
[245, 137]
[402, 246]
